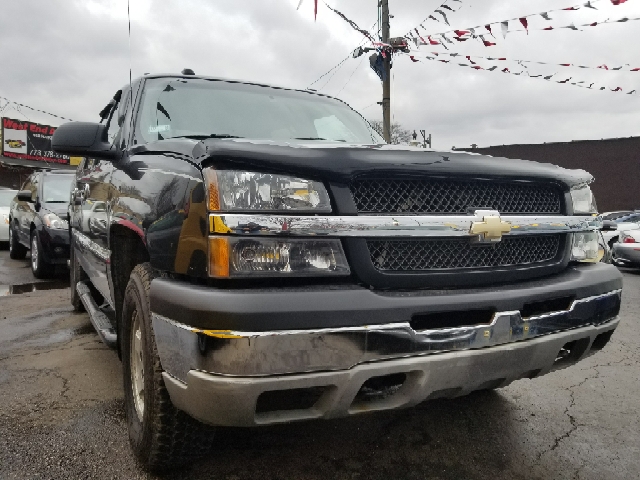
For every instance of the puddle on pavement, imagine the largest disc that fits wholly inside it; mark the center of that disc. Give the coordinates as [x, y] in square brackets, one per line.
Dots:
[32, 287]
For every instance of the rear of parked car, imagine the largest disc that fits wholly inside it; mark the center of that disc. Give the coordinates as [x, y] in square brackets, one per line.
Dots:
[6, 197]
[626, 252]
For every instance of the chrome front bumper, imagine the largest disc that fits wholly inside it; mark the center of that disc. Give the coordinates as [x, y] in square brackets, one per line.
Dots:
[225, 352]
[236, 401]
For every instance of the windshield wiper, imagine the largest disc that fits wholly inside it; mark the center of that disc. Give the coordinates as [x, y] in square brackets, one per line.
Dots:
[317, 138]
[203, 137]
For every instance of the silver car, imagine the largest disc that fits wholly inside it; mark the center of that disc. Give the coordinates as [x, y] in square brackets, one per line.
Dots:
[626, 252]
[6, 195]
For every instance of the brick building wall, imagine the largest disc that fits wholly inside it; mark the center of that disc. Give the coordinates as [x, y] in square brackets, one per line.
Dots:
[614, 163]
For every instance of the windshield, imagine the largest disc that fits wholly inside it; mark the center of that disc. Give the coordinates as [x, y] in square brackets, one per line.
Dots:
[6, 196]
[56, 188]
[200, 108]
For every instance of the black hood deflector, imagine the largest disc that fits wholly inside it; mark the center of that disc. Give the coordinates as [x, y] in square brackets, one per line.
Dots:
[342, 162]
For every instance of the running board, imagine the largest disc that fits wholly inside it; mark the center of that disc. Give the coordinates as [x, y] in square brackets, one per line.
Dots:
[99, 320]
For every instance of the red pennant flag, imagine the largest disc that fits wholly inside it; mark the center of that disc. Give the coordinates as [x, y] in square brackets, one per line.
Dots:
[525, 23]
[469, 58]
[603, 66]
[487, 43]
[477, 67]
[618, 89]
[565, 64]
[593, 24]
[618, 2]
[635, 69]
[574, 8]
[432, 41]
[413, 59]
[460, 39]
[503, 58]
[315, 10]
[506, 70]
[418, 33]
[548, 28]
[461, 33]
[488, 27]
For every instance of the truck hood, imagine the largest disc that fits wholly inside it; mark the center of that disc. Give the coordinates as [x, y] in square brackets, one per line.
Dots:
[340, 162]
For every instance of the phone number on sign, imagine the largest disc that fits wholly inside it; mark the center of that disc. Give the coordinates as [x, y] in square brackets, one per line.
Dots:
[48, 154]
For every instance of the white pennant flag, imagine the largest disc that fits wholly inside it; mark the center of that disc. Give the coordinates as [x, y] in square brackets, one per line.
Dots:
[505, 28]
[299, 3]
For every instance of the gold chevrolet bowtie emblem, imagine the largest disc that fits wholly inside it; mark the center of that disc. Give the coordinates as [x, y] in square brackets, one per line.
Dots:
[491, 228]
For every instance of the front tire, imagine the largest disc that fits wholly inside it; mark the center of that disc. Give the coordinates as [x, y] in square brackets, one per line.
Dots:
[39, 266]
[17, 251]
[161, 436]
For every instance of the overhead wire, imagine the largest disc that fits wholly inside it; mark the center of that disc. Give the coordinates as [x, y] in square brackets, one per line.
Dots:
[31, 108]
[339, 65]
[351, 76]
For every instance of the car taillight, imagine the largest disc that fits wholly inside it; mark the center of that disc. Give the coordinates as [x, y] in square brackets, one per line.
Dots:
[629, 240]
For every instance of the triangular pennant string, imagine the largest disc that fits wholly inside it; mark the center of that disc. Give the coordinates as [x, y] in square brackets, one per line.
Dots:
[566, 81]
[523, 63]
[524, 20]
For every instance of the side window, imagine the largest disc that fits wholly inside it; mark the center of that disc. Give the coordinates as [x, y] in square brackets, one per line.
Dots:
[114, 128]
[123, 117]
[27, 184]
[34, 187]
[116, 118]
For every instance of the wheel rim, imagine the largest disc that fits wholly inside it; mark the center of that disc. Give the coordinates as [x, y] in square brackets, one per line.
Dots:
[10, 239]
[34, 253]
[137, 367]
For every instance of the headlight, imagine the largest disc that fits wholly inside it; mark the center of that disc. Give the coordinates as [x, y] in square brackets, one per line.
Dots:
[234, 191]
[238, 257]
[51, 220]
[583, 201]
[585, 247]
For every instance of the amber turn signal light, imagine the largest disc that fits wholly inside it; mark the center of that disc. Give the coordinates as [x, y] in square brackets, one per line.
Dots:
[218, 257]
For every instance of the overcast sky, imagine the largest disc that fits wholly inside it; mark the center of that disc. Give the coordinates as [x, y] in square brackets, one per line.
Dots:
[70, 56]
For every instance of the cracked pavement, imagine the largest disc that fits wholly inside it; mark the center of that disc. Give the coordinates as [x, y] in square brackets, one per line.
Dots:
[62, 416]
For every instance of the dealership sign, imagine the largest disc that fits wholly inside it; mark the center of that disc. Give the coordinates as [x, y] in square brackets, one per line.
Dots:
[29, 141]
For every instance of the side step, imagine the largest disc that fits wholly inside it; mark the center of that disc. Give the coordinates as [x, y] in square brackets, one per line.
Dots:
[100, 321]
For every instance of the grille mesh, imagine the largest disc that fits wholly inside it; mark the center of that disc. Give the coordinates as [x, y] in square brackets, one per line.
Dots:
[438, 254]
[453, 196]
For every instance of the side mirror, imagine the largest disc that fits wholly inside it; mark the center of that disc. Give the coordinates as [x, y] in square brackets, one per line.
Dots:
[24, 196]
[83, 139]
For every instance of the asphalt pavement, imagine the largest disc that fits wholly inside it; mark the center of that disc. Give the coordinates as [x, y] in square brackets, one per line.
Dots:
[62, 416]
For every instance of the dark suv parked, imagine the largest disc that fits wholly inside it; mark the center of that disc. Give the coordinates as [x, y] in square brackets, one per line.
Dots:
[38, 221]
[259, 255]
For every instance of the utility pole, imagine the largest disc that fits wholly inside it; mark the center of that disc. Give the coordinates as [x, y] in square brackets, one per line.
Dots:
[386, 82]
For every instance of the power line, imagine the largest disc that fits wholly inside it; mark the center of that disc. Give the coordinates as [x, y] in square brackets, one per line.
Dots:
[339, 64]
[351, 76]
[31, 108]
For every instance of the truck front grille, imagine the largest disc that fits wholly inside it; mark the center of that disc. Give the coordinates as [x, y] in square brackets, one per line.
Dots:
[408, 255]
[435, 196]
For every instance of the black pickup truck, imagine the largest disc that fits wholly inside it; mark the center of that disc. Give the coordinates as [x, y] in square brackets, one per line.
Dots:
[259, 255]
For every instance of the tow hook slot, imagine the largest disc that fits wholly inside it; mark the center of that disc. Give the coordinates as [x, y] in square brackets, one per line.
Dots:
[572, 351]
